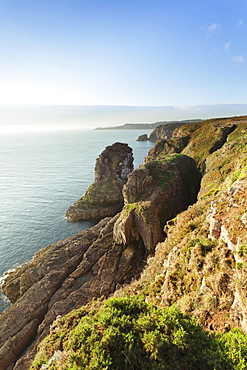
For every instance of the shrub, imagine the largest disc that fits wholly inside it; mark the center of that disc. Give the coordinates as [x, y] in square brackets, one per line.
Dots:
[235, 348]
[128, 333]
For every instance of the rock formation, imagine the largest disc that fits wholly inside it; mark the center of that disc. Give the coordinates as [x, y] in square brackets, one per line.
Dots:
[155, 193]
[61, 277]
[104, 196]
[143, 137]
[163, 147]
[165, 131]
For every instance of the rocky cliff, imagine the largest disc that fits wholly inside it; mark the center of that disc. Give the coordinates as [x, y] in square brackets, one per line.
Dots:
[184, 216]
[104, 196]
[165, 131]
[153, 194]
[202, 263]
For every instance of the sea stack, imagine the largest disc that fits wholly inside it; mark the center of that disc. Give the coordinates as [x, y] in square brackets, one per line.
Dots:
[104, 196]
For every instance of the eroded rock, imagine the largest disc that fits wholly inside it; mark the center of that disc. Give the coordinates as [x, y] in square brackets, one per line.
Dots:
[165, 131]
[61, 277]
[154, 194]
[104, 196]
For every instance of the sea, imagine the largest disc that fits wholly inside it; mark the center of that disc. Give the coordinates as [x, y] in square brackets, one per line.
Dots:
[41, 175]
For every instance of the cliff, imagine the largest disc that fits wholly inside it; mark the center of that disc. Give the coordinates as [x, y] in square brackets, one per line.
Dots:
[179, 238]
[165, 131]
[104, 196]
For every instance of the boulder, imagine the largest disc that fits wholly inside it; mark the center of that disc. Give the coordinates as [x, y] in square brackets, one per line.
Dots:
[143, 137]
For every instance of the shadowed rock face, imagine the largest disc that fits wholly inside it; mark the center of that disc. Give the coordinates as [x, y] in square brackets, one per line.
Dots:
[104, 196]
[153, 194]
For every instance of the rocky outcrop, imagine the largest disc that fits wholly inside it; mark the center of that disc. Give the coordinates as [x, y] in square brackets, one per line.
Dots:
[143, 137]
[32, 286]
[163, 147]
[61, 277]
[153, 194]
[104, 196]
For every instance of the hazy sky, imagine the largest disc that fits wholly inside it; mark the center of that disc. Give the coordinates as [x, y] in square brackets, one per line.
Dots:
[138, 52]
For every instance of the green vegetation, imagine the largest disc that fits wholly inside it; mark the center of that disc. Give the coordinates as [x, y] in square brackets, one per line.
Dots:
[235, 347]
[127, 333]
[224, 167]
[107, 191]
[142, 328]
[162, 169]
[242, 250]
[128, 208]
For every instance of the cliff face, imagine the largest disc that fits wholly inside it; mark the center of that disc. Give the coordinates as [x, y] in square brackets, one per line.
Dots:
[197, 242]
[104, 196]
[165, 131]
[154, 194]
[202, 263]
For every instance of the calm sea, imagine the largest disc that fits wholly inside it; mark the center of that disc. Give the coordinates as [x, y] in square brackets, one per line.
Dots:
[41, 175]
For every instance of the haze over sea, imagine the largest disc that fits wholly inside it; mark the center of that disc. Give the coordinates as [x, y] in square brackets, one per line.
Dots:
[42, 174]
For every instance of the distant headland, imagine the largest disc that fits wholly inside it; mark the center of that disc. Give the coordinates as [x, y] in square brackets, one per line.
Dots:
[144, 126]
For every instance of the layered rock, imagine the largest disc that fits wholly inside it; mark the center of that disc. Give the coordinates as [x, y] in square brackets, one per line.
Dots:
[32, 286]
[104, 196]
[61, 277]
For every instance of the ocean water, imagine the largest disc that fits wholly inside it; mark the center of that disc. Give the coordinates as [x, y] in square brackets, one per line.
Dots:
[41, 175]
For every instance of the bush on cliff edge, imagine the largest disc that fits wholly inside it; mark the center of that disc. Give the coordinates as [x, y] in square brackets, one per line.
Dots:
[127, 333]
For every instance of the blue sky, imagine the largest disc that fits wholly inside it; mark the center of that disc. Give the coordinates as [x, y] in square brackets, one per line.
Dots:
[147, 53]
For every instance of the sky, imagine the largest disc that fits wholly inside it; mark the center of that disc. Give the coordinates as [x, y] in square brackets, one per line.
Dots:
[124, 53]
